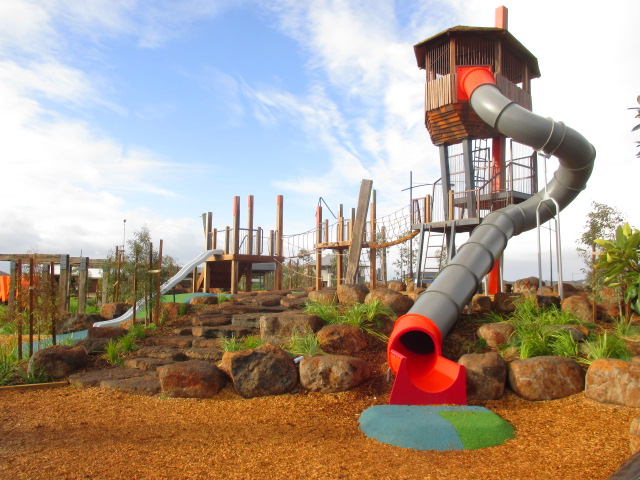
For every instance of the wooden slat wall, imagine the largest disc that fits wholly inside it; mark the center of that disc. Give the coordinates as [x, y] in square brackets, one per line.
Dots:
[513, 92]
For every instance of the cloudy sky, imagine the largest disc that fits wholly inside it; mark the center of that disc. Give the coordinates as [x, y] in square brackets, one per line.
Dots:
[157, 111]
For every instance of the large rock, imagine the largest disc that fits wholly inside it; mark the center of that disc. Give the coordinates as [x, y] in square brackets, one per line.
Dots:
[146, 385]
[266, 370]
[545, 378]
[326, 296]
[614, 381]
[106, 332]
[547, 301]
[333, 373]
[114, 310]
[496, 335]
[397, 286]
[263, 300]
[341, 339]
[527, 285]
[578, 306]
[59, 361]
[399, 303]
[79, 321]
[298, 303]
[280, 326]
[486, 375]
[505, 303]
[481, 304]
[190, 379]
[352, 293]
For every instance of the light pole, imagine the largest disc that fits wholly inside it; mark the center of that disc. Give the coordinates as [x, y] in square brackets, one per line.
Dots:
[124, 233]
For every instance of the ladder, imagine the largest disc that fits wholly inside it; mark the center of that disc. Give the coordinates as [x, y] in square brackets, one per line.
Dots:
[432, 255]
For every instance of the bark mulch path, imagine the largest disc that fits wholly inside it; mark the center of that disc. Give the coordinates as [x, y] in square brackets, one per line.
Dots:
[69, 433]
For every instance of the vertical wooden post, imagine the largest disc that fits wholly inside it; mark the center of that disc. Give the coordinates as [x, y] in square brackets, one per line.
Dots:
[277, 281]
[383, 255]
[18, 309]
[208, 245]
[372, 251]
[227, 240]
[52, 301]
[214, 239]
[149, 288]
[259, 241]
[427, 209]
[135, 286]
[339, 266]
[116, 297]
[358, 231]
[12, 286]
[65, 273]
[83, 274]
[236, 244]
[158, 278]
[32, 292]
[250, 225]
[318, 250]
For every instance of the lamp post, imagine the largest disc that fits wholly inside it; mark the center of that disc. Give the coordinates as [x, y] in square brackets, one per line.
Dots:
[124, 232]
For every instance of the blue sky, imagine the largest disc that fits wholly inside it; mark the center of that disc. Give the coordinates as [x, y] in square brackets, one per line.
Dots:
[157, 111]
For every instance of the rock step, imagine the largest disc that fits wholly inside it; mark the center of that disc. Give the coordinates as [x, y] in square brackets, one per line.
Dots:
[147, 364]
[147, 384]
[93, 378]
[204, 353]
[247, 320]
[222, 331]
[180, 341]
[211, 320]
[162, 351]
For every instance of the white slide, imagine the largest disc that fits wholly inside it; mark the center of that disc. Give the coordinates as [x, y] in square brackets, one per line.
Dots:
[168, 285]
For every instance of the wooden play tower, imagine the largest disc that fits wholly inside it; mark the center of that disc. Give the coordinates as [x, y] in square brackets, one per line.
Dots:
[481, 170]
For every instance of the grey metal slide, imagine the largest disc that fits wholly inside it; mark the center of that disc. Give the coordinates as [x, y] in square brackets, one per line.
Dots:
[164, 288]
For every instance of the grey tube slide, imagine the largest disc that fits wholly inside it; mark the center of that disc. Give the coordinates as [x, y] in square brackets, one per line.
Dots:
[453, 288]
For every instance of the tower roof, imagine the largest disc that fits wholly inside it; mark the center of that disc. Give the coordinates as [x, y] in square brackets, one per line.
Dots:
[509, 41]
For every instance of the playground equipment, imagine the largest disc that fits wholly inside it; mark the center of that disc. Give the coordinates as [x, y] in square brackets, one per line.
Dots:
[423, 376]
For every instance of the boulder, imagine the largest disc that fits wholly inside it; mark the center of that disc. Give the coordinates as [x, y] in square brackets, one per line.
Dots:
[280, 326]
[190, 379]
[545, 378]
[352, 293]
[93, 346]
[326, 296]
[399, 303]
[396, 286]
[341, 339]
[527, 285]
[146, 385]
[505, 302]
[486, 375]
[211, 319]
[298, 303]
[496, 335]
[481, 304]
[578, 306]
[204, 300]
[577, 332]
[114, 310]
[92, 378]
[59, 361]
[106, 332]
[568, 289]
[614, 381]
[262, 300]
[266, 370]
[333, 373]
[79, 321]
[547, 301]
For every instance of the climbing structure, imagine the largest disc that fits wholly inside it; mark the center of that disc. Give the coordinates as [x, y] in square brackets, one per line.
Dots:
[481, 170]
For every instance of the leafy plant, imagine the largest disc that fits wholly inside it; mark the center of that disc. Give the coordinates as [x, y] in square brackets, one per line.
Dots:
[127, 344]
[563, 344]
[306, 345]
[328, 313]
[637, 127]
[8, 363]
[231, 344]
[223, 297]
[253, 341]
[113, 352]
[620, 264]
[31, 375]
[605, 346]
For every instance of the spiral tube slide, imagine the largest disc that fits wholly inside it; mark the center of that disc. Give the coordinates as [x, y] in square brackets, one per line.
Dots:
[423, 376]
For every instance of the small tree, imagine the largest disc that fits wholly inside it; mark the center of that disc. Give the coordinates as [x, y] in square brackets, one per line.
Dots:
[637, 127]
[601, 224]
[620, 264]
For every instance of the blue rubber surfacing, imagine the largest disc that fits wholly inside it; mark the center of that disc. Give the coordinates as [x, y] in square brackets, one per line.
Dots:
[435, 427]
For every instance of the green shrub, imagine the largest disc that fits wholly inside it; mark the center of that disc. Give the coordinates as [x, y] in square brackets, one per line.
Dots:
[605, 346]
[306, 345]
[563, 344]
[223, 297]
[328, 313]
[231, 344]
[252, 341]
[113, 352]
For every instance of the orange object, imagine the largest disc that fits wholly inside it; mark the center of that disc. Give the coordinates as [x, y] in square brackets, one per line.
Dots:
[4, 288]
[502, 17]
[423, 375]
[470, 78]
[493, 279]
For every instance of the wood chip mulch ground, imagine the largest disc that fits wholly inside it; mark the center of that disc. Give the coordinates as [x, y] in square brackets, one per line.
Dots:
[68, 433]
